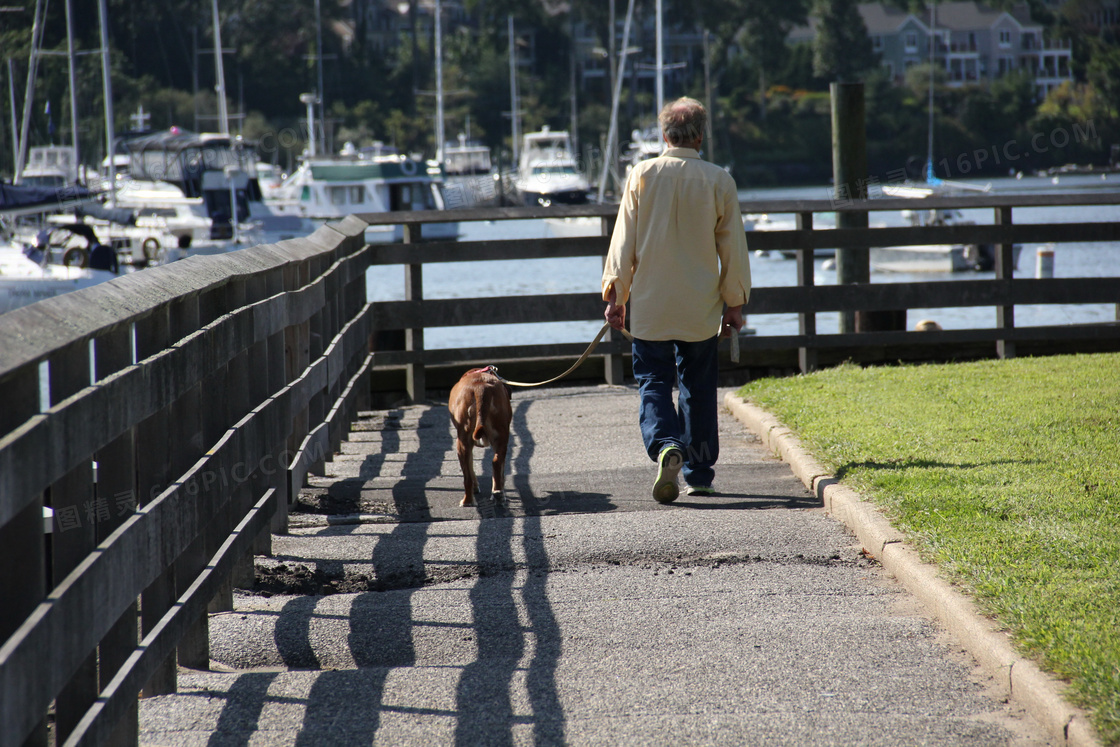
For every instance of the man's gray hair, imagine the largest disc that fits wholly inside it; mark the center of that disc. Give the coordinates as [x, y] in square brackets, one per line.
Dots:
[683, 121]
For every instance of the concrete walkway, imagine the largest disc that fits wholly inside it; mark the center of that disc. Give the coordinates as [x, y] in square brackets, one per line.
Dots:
[582, 613]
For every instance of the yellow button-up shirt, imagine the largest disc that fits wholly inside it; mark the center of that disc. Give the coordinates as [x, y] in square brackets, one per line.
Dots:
[679, 250]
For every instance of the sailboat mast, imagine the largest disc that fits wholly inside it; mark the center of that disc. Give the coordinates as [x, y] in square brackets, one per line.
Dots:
[573, 111]
[33, 66]
[514, 104]
[440, 134]
[660, 63]
[12, 102]
[932, 62]
[73, 83]
[219, 72]
[613, 129]
[319, 64]
[107, 88]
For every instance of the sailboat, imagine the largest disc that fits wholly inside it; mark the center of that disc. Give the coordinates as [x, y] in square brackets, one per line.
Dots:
[934, 257]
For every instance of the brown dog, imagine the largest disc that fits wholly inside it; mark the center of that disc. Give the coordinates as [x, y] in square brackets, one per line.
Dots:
[481, 411]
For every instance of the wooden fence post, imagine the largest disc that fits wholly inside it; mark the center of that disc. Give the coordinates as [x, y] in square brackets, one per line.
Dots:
[849, 173]
[259, 391]
[415, 378]
[23, 543]
[806, 320]
[116, 488]
[277, 380]
[75, 533]
[1005, 270]
[153, 471]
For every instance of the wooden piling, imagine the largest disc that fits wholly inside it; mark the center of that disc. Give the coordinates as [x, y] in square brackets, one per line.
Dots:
[849, 173]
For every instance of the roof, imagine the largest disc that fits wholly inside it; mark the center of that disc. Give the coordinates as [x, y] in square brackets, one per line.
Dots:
[968, 16]
[357, 171]
[882, 19]
[20, 198]
[174, 140]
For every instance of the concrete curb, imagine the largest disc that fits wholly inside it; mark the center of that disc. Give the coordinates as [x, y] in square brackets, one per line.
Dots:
[1027, 685]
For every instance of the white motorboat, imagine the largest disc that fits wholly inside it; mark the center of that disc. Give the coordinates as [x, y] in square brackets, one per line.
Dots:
[936, 257]
[548, 172]
[766, 222]
[373, 180]
[137, 242]
[29, 274]
[52, 166]
[470, 178]
[24, 281]
[643, 145]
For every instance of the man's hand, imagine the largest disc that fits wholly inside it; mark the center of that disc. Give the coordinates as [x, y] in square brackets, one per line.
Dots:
[615, 313]
[732, 320]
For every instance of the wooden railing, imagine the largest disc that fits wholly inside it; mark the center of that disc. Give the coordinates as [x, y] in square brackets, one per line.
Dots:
[167, 419]
[153, 431]
[806, 300]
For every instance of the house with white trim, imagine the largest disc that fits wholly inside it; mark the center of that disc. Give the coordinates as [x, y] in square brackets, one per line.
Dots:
[974, 43]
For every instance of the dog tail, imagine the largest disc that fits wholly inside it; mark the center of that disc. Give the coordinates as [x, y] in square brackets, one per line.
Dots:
[481, 409]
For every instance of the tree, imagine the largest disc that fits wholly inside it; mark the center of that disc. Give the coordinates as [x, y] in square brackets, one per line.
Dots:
[750, 35]
[842, 48]
[1104, 75]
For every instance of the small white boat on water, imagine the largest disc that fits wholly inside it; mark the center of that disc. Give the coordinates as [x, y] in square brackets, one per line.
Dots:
[372, 180]
[547, 171]
[24, 281]
[52, 166]
[939, 258]
[766, 222]
[643, 145]
[469, 176]
[29, 273]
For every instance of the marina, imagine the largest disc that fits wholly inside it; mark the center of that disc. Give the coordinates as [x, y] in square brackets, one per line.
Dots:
[582, 274]
[223, 385]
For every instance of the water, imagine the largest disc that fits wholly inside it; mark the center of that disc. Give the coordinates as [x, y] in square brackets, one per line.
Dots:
[582, 275]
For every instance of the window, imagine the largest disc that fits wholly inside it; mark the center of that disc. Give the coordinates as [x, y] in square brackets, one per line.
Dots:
[911, 41]
[1005, 38]
[337, 195]
[877, 42]
[400, 197]
[357, 195]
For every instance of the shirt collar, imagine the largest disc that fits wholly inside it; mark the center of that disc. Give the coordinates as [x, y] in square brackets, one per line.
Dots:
[681, 152]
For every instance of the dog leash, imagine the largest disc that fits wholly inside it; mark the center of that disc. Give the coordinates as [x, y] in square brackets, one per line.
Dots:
[574, 366]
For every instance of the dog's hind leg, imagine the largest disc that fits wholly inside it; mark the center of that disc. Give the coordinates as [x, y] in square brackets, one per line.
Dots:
[500, 443]
[464, 447]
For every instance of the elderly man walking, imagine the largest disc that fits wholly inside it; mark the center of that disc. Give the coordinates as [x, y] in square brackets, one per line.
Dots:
[678, 255]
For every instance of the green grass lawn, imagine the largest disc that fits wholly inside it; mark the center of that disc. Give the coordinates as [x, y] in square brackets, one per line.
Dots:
[1004, 473]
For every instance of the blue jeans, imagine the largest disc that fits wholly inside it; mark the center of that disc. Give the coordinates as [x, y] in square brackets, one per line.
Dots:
[693, 367]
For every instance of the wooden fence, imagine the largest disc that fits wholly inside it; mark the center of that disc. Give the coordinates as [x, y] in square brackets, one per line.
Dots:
[806, 300]
[157, 427]
[165, 420]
